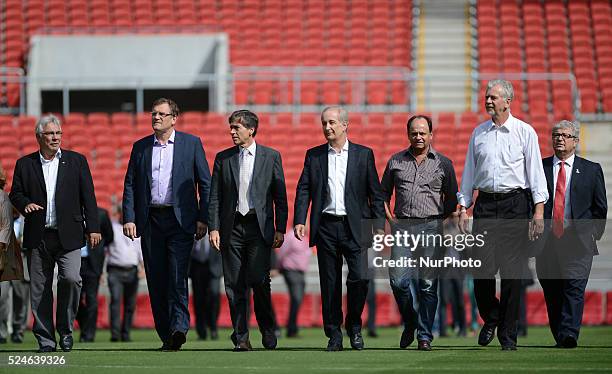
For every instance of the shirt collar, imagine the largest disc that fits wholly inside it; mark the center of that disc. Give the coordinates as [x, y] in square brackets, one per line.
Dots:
[431, 153]
[58, 155]
[569, 161]
[345, 147]
[170, 139]
[505, 126]
[251, 149]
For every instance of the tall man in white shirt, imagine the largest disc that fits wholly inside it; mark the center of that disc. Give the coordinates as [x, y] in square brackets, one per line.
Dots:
[340, 183]
[44, 182]
[503, 164]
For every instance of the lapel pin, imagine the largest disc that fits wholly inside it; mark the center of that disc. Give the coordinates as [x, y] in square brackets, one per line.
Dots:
[577, 171]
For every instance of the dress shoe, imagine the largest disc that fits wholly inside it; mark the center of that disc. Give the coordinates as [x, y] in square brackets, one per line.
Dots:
[114, 339]
[166, 348]
[569, 342]
[356, 341]
[17, 338]
[126, 339]
[214, 335]
[372, 334]
[243, 347]
[66, 343]
[46, 349]
[269, 340]
[292, 334]
[424, 345]
[487, 333]
[83, 339]
[334, 345]
[509, 347]
[407, 338]
[177, 339]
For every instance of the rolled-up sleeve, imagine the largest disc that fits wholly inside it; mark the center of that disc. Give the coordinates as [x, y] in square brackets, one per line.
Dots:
[535, 169]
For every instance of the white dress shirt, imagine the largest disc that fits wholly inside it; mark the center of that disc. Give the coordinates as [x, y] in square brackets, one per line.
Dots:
[569, 163]
[336, 180]
[123, 251]
[49, 169]
[248, 159]
[503, 158]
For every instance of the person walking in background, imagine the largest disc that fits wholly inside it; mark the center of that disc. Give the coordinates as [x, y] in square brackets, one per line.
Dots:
[205, 272]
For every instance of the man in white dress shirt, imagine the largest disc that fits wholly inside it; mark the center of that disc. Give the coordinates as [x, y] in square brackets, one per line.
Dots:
[503, 163]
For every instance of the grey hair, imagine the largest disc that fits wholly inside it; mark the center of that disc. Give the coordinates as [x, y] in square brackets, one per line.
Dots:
[342, 113]
[507, 89]
[44, 120]
[565, 124]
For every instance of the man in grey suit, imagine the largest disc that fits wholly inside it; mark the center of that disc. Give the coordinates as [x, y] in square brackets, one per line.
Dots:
[166, 174]
[248, 217]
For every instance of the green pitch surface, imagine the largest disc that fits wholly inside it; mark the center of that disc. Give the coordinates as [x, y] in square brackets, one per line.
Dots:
[305, 355]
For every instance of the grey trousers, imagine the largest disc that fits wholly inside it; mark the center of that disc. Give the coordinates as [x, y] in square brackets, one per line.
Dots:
[18, 305]
[41, 264]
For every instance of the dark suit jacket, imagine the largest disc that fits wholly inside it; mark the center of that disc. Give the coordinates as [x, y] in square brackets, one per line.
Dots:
[96, 255]
[267, 189]
[362, 192]
[75, 201]
[189, 170]
[589, 206]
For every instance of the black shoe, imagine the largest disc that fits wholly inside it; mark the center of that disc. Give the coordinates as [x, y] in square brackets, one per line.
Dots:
[83, 339]
[510, 347]
[424, 345]
[214, 335]
[569, 342]
[372, 334]
[166, 348]
[356, 341]
[334, 345]
[66, 343]
[487, 333]
[126, 339]
[2, 340]
[46, 349]
[114, 339]
[292, 334]
[268, 340]
[17, 338]
[243, 347]
[407, 338]
[177, 339]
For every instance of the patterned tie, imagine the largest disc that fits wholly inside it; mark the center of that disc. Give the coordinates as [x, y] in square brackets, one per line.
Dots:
[243, 189]
[559, 203]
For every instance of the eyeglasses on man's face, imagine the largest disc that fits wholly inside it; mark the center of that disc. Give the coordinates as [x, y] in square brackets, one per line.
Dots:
[51, 133]
[161, 114]
[556, 135]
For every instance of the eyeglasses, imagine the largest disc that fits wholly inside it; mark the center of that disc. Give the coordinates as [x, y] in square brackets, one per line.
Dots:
[161, 114]
[562, 135]
[51, 133]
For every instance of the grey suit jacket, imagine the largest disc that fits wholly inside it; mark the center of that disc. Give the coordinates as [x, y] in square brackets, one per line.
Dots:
[268, 193]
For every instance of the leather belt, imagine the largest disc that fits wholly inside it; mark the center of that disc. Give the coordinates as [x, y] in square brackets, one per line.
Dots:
[496, 196]
[334, 218]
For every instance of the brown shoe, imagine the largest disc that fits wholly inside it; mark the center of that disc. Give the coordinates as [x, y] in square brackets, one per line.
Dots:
[424, 345]
[243, 347]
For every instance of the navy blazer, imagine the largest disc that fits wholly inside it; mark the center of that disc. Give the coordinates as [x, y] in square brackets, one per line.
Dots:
[189, 171]
[268, 192]
[75, 201]
[589, 206]
[363, 196]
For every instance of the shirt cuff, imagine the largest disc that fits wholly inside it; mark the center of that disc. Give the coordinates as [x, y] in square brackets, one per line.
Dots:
[463, 201]
[539, 197]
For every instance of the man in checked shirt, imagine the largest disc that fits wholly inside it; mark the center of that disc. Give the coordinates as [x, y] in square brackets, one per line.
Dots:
[425, 193]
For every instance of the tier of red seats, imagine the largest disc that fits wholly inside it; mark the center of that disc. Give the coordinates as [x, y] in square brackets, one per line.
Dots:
[106, 140]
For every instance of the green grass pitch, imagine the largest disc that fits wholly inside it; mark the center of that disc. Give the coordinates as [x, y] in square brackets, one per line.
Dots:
[305, 355]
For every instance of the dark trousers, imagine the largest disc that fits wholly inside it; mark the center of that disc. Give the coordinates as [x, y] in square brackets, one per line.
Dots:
[123, 286]
[563, 270]
[166, 249]
[334, 241]
[504, 222]
[371, 301]
[246, 264]
[296, 285]
[206, 297]
[87, 316]
[451, 292]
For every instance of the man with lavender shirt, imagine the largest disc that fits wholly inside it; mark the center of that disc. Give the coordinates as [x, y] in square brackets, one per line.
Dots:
[166, 174]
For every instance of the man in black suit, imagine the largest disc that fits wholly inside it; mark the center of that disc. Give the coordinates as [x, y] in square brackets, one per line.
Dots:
[247, 218]
[205, 272]
[340, 181]
[164, 202]
[54, 190]
[578, 211]
[92, 263]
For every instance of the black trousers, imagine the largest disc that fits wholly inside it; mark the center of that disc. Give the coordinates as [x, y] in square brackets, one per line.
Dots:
[335, 241]
[246, 264]
[87, 315]
[206, 297]
[504, 222]
[563, 270]
[123, 286]
[296, 284]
